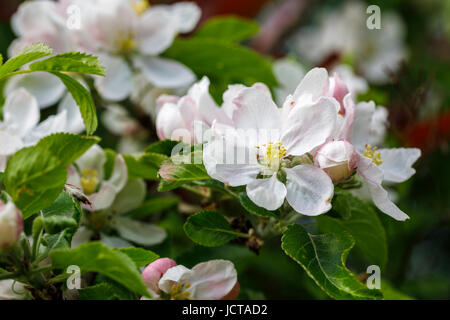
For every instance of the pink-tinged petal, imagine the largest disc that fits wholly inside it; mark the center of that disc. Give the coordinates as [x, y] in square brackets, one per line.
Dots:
[230, 162]
[116, 84]
[102, 199]
[164, 73]
[309, 127]
[73, 177]
[155, 270]
[142, 233]
[168, 120]
[175, 275]
[380, 197]
[397, 163]
[156, 30]
[75, 123]
[338, 90]
[187, 15]
[337, 158]
[10, 144]
[46, 88]
[20, 112]
[309, 190]
[212, 280]
[234, 91]
[313, 85]
[267, 193]
[165, 98]
[256, 111]
[345, 127]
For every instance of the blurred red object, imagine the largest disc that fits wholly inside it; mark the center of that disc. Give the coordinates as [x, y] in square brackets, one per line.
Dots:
[243, 8]
[429, 134]
[7, 8]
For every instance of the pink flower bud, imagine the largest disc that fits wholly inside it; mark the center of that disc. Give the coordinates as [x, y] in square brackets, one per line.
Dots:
[11, 225]
[155, 270]
[338, 90]
[337, 158]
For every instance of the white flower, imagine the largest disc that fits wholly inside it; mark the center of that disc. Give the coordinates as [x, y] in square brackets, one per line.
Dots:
[344, 32]
[119, 28]
[20, 126]
[11, 224]
[265, 139]
[212, 280]
[337, 159]
[114, 197]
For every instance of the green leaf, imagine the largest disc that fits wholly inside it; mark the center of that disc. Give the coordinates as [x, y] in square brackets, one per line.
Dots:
[70, 62]
[152, 206]
[96, 257]
[230, 29]
[26, 55]
[101, 291]
[251, 207]
[323, 258]
[163, 147]
[176, 171]
[83, 99]
[224, 63]
[139, 256]
[209, 229]
[144, 166]
[362, 223]
[35, 176]
[58, 241]
[63, 204]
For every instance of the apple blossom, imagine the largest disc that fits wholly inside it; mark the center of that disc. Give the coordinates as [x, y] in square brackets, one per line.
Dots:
[212, 280]
[270, 142]
[337, 159]
[20, 126]
[11, 224]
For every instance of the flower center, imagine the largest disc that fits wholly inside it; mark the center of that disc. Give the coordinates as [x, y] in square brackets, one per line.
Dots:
[372, 154]
[126, 43]
[179, 292]
[140, 6]
[89, 180]
[274, 152]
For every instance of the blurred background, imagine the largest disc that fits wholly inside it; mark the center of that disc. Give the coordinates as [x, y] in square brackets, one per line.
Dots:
[417, 95]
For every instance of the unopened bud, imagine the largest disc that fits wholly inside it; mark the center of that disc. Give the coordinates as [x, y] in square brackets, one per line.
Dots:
[11, 224]
[337, 158]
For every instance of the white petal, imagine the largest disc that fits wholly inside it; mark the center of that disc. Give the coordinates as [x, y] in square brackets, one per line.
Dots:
[82, 235]
[20, 112]
[168, 120]
[313, 85]
[52, 124]
[103, 198]
[118, 121]
[119, 176]
[397, 163]
[114, 242]
[309, 190]
[93, 159]
[10, 144]
[130, 197]
[165, 73]
[116, 84]
[174, 275]
[256, 111]
[308, 127]
[142, 233]
[212, 280]
[46, 88]
[75, 123]
[230, 162]
[156, 30]
[73, 177]
[187, 15]
[267, 193]
[374, 176]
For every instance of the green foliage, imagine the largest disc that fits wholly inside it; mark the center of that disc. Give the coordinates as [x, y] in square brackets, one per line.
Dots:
[162, 147]
[209, 229]
[362, 223]
[222, 62]
[35, 176]
[96, 257]
[145, 165]
[70, 62]
[26, 55]
[139, 256]
[230, 29]
[152, 206]
[251, 207]
[323, 258]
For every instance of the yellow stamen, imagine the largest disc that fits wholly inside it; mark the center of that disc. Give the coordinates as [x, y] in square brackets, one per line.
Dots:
[89, 181]
[140, 6]
[274, 153]
[372, 154]
[179, 292]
